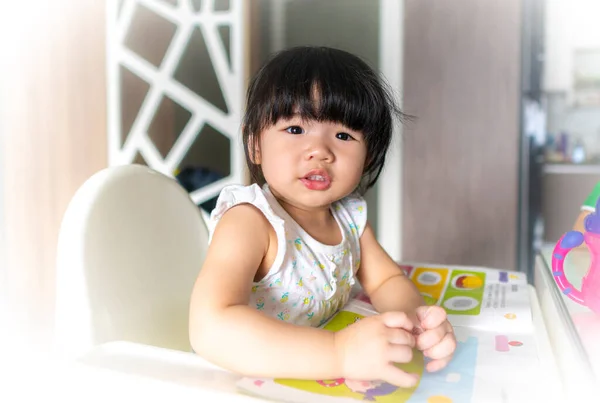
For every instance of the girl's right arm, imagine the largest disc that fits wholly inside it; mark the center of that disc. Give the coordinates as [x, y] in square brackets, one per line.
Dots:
[234, 336]
[231, 334]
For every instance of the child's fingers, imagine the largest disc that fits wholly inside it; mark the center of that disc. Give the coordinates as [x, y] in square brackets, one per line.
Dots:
[417, 329]
[431, 316]
[400, 336]
[399, 353]
[430, 338]
[437, 365]
[397, 320]
[445, 348]
[397, 377]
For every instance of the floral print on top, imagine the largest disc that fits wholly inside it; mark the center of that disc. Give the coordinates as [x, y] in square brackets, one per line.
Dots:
[309, 281]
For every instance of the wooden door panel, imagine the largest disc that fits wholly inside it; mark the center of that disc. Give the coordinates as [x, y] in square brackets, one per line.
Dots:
[461, 82]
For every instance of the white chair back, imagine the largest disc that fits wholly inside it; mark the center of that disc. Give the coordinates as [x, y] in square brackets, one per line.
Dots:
[130, 247]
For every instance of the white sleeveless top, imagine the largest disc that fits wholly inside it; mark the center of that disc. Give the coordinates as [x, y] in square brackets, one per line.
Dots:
[308, 281]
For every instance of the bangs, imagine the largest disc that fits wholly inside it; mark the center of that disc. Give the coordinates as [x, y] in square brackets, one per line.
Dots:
[313, 85]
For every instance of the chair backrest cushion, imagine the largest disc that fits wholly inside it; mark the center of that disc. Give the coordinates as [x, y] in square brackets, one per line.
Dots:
[130, 247]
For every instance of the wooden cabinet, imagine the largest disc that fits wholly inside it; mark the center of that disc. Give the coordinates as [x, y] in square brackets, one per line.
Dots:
[460, 154]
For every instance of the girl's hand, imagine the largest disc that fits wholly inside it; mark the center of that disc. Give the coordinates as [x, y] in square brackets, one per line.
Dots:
[368, 349]
[437, 340]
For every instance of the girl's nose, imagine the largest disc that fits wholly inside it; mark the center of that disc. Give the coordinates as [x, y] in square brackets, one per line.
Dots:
[320, 151]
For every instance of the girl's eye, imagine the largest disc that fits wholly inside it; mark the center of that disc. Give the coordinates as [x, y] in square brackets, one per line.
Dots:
[295, 130]
[343, 136]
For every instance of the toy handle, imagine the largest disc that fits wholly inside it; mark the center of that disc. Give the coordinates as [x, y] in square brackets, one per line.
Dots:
[565, 244]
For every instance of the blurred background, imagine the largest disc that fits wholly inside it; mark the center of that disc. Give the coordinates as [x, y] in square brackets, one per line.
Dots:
[504, 147]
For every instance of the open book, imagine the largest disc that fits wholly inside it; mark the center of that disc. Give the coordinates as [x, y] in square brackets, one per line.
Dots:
[479, 298]
[495, 356]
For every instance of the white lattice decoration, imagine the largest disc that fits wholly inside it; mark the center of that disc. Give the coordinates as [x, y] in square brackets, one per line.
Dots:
[230, 77]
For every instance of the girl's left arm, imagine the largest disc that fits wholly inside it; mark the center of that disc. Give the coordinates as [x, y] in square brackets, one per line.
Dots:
[383, 280]
[391, 290]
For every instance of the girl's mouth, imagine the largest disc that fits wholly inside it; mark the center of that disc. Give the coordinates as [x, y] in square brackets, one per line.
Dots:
[317, 179]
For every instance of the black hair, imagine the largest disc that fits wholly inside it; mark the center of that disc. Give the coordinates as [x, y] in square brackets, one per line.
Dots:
[348, 92]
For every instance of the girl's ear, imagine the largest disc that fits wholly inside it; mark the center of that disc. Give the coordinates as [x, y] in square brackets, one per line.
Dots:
[254, 149]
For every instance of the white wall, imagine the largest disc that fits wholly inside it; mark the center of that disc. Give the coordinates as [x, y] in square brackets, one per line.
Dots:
[570, 26]
[3, 270]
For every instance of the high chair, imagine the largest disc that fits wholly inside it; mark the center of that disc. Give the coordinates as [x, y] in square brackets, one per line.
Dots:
[130, 247]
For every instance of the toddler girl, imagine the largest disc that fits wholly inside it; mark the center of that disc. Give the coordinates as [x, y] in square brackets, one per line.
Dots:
[287, 251]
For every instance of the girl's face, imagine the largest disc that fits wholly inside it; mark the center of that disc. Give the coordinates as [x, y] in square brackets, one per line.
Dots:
[311, 164]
